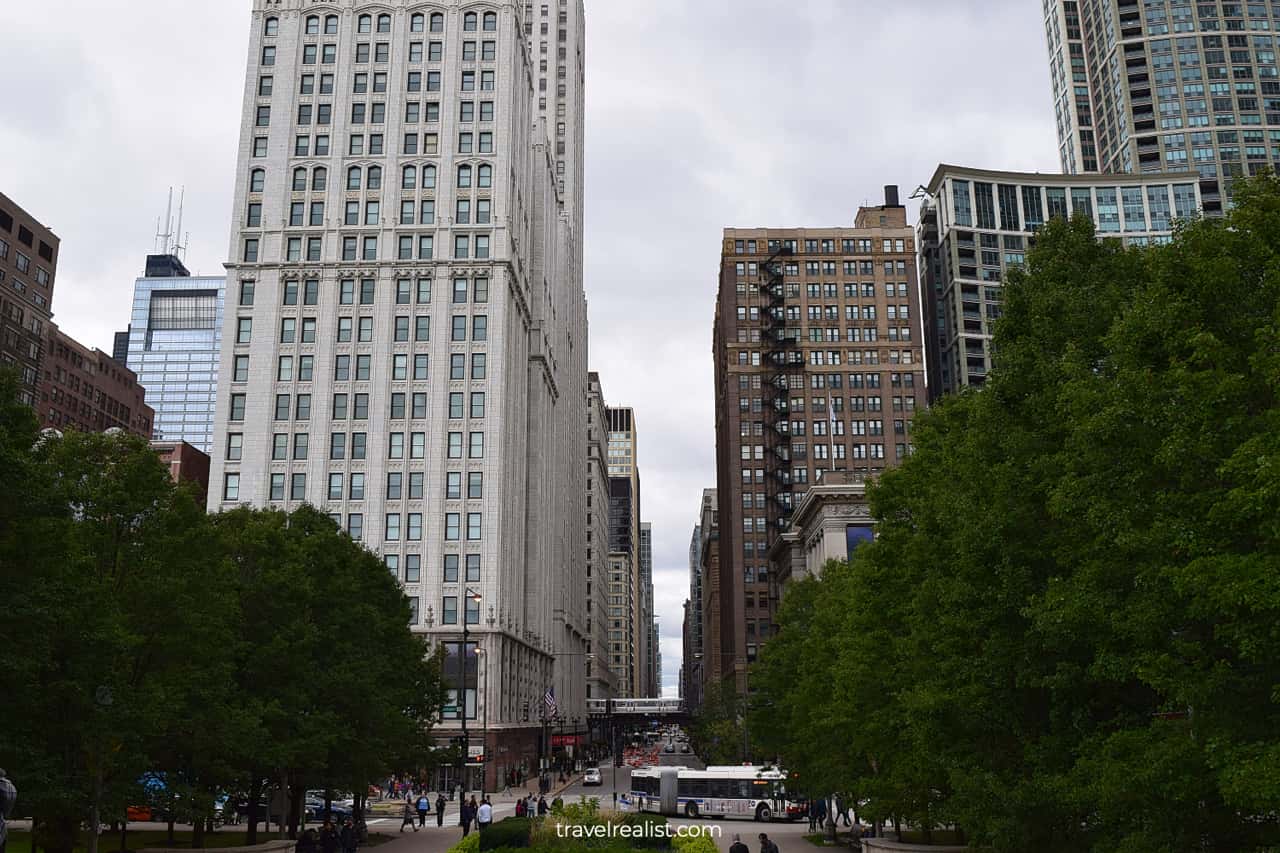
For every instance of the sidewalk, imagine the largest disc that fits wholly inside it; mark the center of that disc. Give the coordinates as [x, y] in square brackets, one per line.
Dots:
[438, 839]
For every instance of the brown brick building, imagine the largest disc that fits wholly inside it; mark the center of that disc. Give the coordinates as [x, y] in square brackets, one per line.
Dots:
[186, 464]
[28, 262]
[86, 389]
[818, 367]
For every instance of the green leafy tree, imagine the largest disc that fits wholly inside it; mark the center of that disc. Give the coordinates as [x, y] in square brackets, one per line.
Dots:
[1062, 638]
[92, 625]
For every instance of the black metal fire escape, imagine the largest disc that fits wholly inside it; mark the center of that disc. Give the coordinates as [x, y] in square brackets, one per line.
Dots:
[781, 358]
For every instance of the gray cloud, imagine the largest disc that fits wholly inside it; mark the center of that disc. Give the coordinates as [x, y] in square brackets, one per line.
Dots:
[701, 114]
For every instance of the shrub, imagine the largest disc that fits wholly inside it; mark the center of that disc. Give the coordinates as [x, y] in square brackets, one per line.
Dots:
[468, 844]
[654, 842]
[694, 844]
[509, 832]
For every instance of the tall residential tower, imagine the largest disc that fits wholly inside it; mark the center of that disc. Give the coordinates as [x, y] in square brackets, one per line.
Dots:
[1166, 85]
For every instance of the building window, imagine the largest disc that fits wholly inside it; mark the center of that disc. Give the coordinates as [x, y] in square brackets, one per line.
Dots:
[231, 487]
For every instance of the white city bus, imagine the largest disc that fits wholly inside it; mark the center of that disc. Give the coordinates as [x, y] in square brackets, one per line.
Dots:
[759, 793]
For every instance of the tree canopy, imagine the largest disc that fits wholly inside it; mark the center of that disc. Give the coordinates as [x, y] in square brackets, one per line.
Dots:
[1063, 636]
[216, 653]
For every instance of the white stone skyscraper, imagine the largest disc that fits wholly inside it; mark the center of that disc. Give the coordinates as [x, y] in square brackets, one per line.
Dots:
[1166, 85]
[405, 334]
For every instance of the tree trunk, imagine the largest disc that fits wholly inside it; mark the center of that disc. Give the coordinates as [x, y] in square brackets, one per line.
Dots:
[255, 794]
[197, 832]
[897, 827]
[124, 836]
[172, 821]
[295, 807]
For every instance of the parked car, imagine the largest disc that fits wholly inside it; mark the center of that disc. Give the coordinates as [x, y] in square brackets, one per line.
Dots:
[592, 777]
[669, 748]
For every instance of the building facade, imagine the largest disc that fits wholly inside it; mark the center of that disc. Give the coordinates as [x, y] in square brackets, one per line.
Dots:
[173, 343]
[652, 681]
[708, 657]
[1166, 85]
[186, 464]
[405, 328]
[87, 390]
[691, 669]
[830, 522]
[28, 266]
[818, 367]
[601, 680]
[628, 633]
[976, 223]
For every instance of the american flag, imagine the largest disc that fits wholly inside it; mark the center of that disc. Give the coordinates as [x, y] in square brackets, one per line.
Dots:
[549, 699]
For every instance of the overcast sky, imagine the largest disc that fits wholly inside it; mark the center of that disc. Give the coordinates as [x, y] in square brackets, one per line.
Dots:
[701, 114]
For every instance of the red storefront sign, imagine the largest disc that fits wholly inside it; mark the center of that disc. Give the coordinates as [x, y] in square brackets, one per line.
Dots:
[566, 740]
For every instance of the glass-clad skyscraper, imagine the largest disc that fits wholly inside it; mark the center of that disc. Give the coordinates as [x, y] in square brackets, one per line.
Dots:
[175, 335]
[1143, 86]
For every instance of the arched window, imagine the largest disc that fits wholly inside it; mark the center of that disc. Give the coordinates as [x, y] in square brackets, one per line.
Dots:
[374, 181]
[484, 177]
[299, 180]
[353, 178]
[490, 22]
[331, 25]
[313, 25]
[364, 24]
[417, 23]
[271, 27]
[437, 22]
[409, 178]
[464, 177]
[428, 177]
[469, 22]
[320, 178]
[384, 23]
[257, 180]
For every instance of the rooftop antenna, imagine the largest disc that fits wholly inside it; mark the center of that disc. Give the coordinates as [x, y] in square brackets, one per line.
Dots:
[179, 242]
[162, 237]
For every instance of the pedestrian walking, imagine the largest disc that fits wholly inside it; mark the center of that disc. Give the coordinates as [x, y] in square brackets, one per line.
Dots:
[737, 846]
[348, 837]
[424, 806]
[8, 797]
[766, 845]
[329, 840]
[484, 815]
[543, 808]
[465, 815]
[409, 813]
[813, 815]
[440, 804]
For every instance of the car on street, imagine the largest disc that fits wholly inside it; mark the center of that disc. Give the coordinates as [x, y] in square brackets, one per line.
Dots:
[592, 777]
[669, 748]
[684, 747]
